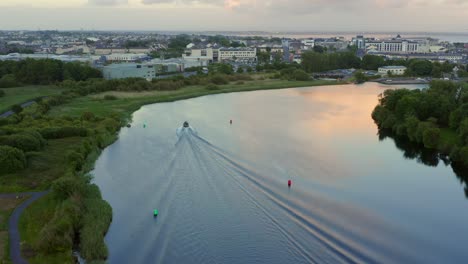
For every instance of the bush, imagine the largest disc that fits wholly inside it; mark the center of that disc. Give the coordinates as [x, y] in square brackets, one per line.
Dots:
[63, 132]
[212, 87]
[300, 75]
[88, 116]
[8, 81]
[96, 221]
[2, 93]
[219, 80]
[17, 108]
[59, 234]
[240, 82]
[110, 97]
[111, 124]
[63, 188]
[23, 141]
[431, 137]
[11, 159]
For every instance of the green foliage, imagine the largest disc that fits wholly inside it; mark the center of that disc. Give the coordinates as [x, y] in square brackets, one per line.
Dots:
[443, 107]
[110, 97]
[212, 87]
[318, 62]
[63, 188]
[17, 108]
[63, 132]
[8, 80]
[11, 159]
[111, 125]
[300, 75]
[240, 70]
[360, 77]
[431, 137]
[88, 116]
[30, 141]
[372, 62]
[2, 93]
[219, 79]
[420, 68]
[96, 221]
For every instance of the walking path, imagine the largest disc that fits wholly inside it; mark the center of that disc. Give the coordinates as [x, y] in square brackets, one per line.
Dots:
[13, 231]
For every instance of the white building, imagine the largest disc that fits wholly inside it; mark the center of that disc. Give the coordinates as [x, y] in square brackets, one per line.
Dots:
[125, 57]
[200, 56]
[394, 70]
[243, 54]
[308, 44]
[127, 70]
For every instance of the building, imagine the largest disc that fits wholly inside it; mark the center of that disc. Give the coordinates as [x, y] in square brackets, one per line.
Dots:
[129, 70]
[359, 41]
[285, 44]
[394, 70]
[126, 57]
[200, 56]
[238, 54]
[393, 46]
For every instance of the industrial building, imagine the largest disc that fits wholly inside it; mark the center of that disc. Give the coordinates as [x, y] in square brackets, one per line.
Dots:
[129, 70]
[240, 54]
[394, 70]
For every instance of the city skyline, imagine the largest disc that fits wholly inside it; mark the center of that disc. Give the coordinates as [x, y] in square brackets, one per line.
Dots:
[237, 15]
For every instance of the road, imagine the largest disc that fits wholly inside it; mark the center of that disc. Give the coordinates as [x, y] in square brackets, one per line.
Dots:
[13, 231]
[10, 112]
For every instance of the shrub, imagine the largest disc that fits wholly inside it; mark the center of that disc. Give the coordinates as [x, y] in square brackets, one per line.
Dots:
[2, 93]
[111, 124]
[300, 75]
[96, 220]
[63, 132]
[63, 188]
[219, 80]
[240, 82]
[110, 97]
[212, 87]
[88, 116]
[59, 234]
[11, 159]
[8, 81]
[25, 142]
[76, 159]
[17, 108]
[431, 137]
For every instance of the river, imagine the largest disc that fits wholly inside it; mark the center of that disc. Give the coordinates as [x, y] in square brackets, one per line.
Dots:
[222, 195]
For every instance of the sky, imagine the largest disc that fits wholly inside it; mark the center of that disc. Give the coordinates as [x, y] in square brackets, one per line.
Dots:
[237, 15]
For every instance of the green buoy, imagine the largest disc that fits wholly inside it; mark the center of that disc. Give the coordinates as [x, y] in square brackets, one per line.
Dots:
[155, 212]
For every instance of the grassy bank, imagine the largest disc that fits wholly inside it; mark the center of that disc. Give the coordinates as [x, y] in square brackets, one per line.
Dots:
[128, 102]
[20, 95]
[76, 127]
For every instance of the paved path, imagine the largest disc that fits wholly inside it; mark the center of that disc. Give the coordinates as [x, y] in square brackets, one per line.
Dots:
[13, 232]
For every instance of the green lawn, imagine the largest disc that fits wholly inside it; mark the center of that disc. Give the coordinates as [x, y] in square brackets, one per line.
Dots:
[20, 95]
[129, 102]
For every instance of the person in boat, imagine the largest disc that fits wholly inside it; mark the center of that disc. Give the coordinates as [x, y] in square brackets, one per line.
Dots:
[186, 124]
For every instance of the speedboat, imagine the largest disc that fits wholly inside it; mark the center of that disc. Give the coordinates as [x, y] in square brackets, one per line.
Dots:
[186, 124]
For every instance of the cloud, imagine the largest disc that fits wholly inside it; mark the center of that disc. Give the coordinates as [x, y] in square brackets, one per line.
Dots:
[107, 2]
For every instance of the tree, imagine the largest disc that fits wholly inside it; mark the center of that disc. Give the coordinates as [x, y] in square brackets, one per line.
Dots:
[372, 62]
[420, 67]
[17, 108]
[300, 75]
[240, 70]
[360, 77]
[319, 49]
[8, 81]
[11, 159]
[431, 137]
[249, 69]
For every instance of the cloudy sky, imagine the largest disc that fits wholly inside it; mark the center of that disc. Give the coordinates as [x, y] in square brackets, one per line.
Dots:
[252, 15]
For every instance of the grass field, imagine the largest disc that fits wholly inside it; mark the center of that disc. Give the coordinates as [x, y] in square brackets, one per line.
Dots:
[128, 102]
[20, 95]
[43, 167]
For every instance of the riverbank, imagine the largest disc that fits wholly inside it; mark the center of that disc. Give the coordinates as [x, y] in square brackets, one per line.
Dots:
[66, 159]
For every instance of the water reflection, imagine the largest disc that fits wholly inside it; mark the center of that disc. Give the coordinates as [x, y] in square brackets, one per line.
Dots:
[429, 157]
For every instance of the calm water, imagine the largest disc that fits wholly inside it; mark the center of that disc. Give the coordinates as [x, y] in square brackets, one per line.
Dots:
[222, 193]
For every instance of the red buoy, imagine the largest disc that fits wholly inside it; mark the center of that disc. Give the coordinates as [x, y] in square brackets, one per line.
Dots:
[289, 183]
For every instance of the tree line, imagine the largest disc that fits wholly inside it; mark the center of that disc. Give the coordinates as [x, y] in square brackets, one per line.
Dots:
[435, 118]
[44, 71]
